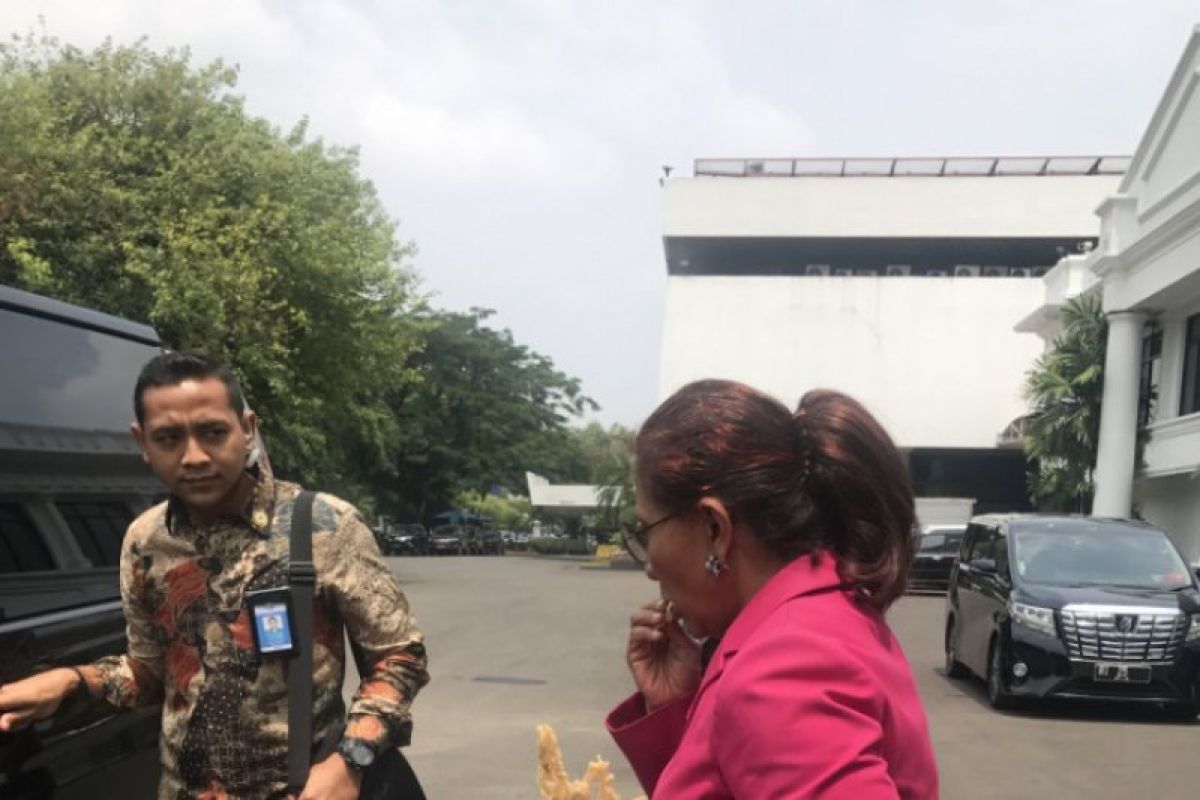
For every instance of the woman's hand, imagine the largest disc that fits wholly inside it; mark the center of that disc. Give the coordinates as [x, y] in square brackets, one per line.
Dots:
[664, 660]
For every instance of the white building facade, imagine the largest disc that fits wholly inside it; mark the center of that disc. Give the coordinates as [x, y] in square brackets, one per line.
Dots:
[1148, 266]
[896, 281]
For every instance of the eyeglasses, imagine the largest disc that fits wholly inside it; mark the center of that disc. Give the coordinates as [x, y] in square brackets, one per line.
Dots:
[637, 536]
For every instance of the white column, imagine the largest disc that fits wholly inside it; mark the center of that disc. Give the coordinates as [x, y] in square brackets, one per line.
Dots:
[1118, 415]
[1170, 385]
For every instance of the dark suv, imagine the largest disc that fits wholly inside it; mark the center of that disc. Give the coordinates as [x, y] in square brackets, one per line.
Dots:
[447, 540]
[410, 539]
[71, 480]
[483, 541]
[934, 552]
[1074, 607]
[407, 539]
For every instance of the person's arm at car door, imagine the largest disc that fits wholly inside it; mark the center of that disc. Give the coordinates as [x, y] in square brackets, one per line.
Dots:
[128, 680]
[134, 678]
[26, 701]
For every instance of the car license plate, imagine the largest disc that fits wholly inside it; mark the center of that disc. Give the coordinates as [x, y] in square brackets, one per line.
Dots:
[1122, 673]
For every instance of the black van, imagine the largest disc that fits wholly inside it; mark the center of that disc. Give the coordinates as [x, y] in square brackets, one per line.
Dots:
[71, 481]
[1074, 607]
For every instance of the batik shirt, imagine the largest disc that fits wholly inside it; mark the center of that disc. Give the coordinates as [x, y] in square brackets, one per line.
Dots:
[224, 707]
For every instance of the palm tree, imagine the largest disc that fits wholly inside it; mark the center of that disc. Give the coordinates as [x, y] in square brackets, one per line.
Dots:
[609, 456]
[1065, 388]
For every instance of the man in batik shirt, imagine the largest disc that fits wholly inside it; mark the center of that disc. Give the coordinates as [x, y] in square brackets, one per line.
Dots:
[186, 567]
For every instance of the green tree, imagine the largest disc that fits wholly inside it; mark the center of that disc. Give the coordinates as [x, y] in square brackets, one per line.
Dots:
[484, 410]
[505, 511]
[1065, 389]
[608, 453]
[136, 183]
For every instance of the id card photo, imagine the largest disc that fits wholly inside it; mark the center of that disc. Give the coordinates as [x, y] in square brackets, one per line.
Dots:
[271, 626]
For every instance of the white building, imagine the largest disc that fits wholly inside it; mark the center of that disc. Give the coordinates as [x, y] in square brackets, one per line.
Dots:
[569, 497]
[1148, 265]
[895, 280]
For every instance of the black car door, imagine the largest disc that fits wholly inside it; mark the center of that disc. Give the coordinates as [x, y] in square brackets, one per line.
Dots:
[994, 588]
[52, 617]
[974, 625]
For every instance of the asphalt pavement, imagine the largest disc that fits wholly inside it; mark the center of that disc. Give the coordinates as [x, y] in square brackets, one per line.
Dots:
[513, 642]
[516, 641]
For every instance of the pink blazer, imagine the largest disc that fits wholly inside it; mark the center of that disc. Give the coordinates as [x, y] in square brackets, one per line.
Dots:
[808, 695]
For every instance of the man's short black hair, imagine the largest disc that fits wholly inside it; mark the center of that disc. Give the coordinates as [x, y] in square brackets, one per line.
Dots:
[172, 369]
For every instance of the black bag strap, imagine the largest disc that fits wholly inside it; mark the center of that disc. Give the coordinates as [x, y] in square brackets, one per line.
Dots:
[302, 579]
[391, 776]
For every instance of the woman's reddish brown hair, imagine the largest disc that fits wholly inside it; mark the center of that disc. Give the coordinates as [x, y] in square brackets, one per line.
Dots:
[826, 477]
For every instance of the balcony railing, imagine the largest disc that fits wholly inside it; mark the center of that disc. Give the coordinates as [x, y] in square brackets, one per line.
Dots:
[910, 167]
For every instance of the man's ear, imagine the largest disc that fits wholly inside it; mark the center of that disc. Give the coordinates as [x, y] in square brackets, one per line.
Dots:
[139, 436]
[250, 437]
[249, 426]
[718, 525]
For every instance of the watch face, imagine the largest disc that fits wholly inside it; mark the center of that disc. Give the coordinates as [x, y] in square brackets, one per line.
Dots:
[360, 755]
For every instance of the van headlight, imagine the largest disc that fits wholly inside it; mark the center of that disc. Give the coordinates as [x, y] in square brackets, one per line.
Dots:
[1035, 618]
[1193, 633]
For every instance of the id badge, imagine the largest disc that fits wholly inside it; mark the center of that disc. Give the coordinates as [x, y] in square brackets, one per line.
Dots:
[271, 622]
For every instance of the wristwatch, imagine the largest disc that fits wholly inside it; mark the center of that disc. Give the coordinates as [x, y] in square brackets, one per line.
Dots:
[358, 754]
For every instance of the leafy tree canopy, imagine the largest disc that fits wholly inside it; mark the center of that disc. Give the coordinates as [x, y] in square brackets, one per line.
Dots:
[134, 182]
[505, 511]
[484, 411]
[1065, 388]
[608, 453]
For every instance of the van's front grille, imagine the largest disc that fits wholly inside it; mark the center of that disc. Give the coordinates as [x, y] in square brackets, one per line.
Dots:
[1107, 633]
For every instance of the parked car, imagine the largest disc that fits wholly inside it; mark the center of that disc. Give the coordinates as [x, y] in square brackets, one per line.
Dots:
[474, 531]
[1074, 607]
[485, 542]
[935, 551]
[406, 539]
[386, 539]
[447, 540]
[71, 481]
[515, 540]
[414, 538]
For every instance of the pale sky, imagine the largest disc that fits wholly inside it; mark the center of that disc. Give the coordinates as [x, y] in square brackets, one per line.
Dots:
[519, 142]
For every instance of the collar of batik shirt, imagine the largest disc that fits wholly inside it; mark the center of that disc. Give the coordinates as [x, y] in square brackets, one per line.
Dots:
[259, 510]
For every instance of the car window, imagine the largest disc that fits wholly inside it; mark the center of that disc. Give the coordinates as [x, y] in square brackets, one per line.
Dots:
[968, 543]
[67, 374]
[939, 543]
[982, 543]
[983, 546]
[1000, 548]
[932, 543]
[98, 528]
[21, 546]
[1131, 558]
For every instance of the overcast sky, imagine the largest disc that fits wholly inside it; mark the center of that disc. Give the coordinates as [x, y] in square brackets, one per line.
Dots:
[519, 142]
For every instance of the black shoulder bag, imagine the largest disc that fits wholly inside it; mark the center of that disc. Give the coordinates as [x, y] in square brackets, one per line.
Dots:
[390, 776]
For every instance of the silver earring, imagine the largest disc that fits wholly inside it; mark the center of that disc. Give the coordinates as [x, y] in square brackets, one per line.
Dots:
[714, 565]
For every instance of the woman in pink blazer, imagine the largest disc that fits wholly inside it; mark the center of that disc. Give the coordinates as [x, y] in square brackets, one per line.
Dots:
[766, 669]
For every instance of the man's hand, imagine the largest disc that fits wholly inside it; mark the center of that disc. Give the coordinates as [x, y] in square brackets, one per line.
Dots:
[27, 701]
[331, 779]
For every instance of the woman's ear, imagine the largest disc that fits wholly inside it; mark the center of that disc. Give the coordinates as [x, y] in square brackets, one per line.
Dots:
[718, 525]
